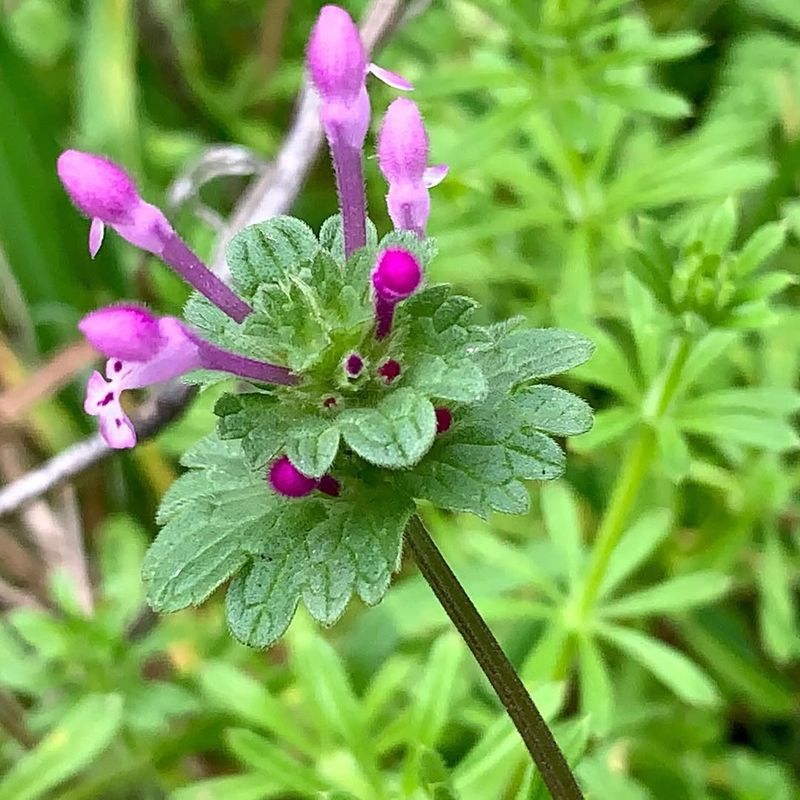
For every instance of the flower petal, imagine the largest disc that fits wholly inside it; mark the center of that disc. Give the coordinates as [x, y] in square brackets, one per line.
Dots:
[434, 175]
[117, 430]
[126, 332]
[96, 233]
[391, 78]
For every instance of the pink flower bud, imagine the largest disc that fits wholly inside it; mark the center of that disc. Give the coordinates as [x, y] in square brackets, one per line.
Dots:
[336, 58]
[104, 192]
[396, 275]
[444, 419]
[329, 485]
[389, 370]
[98, 187]
[403, 143]
[287, 480]
[353, 365]
[403, 159]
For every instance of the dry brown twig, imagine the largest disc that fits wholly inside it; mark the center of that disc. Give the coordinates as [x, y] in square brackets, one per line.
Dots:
[271, 194]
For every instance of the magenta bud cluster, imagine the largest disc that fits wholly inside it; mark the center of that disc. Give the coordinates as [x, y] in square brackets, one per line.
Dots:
[287, 480]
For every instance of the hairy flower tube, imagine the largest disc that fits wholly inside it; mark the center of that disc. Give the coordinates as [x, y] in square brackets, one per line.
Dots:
[397, 275]
[104, 192]
[142, 350]
[337, 64]
[403, 157]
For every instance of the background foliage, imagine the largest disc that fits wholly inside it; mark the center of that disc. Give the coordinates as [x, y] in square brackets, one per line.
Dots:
[629, 170]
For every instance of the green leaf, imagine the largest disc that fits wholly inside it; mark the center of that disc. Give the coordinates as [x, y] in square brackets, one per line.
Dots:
[331, 237]
[435, 691]
[597, 690]
[553, 410]
[635, 547]
[675, 594]
[396, 433]
[122, 544]
[227, 688]
[79, 737]
[232, 787]
[668, 665]
[562, 520]
[752, 430]
[214, 518]
[435, 376]
[259, 420]
[326, 688]
[312, 445]
[659, 103]
[722, 643]
[320, 551]
[721, 229]
[764, 400]
[673, 451]
[269, 252]
[478, 464]
[609, 426]
[273, 762]
[766, 241]
[778, 608]
[526, 354]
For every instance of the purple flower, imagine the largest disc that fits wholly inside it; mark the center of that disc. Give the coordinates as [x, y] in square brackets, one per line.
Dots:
[396, 276]
[337, 64]
[104, 192]
[403, 158]
[142, 350]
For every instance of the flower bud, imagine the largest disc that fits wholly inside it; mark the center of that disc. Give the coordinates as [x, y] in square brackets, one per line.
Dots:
[98, 187]
[287, 480]
[396, 275]
[336, 58]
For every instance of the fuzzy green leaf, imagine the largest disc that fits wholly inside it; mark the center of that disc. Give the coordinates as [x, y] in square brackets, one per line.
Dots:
[312, 445]
[269, 252]
[478, 464]
[322, 551]
[396, 433]
[553, 410]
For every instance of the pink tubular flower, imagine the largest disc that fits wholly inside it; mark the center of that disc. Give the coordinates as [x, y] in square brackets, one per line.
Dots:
[337, 64]
[104, 192]
[396, 276]
[403, 158]
[142, 350]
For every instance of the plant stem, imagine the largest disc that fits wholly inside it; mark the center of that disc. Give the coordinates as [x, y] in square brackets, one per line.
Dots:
[495, 664]
[631, 476]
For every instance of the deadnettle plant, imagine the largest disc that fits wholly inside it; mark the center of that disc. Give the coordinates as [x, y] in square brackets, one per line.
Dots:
[362, 387]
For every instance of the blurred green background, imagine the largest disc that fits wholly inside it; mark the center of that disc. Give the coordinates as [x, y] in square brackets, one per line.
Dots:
[565, 123]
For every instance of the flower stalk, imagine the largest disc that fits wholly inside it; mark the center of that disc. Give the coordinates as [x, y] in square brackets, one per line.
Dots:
[494, 663]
